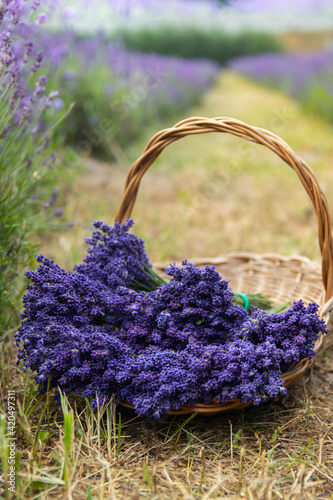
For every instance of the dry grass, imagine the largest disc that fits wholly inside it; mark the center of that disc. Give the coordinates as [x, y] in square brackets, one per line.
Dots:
[298, 41]
[279, 450]
[207, 195]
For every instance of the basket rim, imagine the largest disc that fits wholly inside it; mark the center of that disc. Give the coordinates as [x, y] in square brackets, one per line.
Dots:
[238, 128]
[220, 259]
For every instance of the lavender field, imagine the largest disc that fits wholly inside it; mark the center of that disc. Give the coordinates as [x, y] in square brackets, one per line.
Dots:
[306, 76]
[117, 92]
[113, 92]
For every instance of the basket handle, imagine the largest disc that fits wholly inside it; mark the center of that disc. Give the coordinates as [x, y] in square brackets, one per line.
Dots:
[195, 125]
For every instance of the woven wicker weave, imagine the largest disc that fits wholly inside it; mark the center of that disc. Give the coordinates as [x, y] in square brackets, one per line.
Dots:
[278, 278]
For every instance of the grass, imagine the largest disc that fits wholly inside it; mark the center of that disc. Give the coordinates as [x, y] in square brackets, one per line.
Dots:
[195, 42]
[281, 449]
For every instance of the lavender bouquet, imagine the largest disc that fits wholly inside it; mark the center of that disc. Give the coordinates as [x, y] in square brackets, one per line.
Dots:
[113, 327]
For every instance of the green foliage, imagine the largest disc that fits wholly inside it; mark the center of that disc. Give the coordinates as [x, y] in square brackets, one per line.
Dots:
[146, 476]
[119, 435]
[27, 178]
[276, 434]
[195, 42]
[237, 436]
[318, 100]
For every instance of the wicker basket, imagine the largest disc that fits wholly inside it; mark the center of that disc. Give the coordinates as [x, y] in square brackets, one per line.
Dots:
[277, 277]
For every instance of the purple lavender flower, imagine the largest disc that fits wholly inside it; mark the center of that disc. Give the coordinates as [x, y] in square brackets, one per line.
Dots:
[196, 304]
[58, 212]
[294, 332]
[183, 343]
[5, 131]
[68, 75]
[53, 94]
[22, 145]
[39, 86]
[36, 4]
[37, 62]
[53, 196]
[29, 46]
[58, 104]
[42, 19]
[117, 258]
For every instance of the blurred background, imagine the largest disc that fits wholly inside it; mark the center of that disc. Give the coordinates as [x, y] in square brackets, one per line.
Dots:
[122, 57]
[114, 73]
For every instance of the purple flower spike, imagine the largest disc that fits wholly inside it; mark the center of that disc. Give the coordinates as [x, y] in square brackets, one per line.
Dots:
[42, 19]
[116, 257]
[91, 332]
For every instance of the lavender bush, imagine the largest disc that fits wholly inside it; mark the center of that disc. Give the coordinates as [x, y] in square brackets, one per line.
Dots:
[307, 76]
[26, 156]
[118, 92]
[92, 333]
